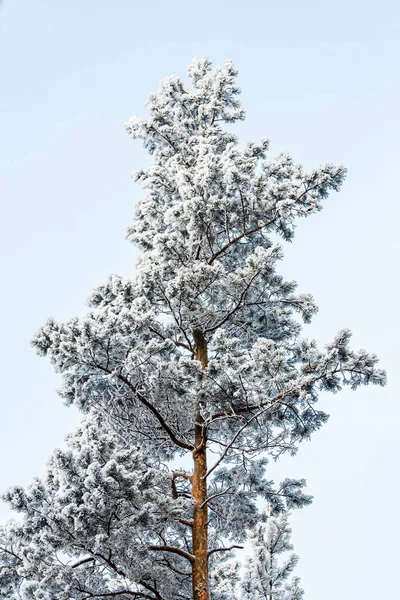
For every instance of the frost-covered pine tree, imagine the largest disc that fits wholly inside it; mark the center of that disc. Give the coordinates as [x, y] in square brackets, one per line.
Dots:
[267, 576]
[196, 361]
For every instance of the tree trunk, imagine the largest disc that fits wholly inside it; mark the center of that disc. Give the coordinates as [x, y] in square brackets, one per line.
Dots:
[200, 518]
[200, 575]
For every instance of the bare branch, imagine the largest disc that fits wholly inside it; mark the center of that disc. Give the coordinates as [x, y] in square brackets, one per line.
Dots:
[185, 522]
[83, 561]
[174, 550]
[224, 549]
[217, 495]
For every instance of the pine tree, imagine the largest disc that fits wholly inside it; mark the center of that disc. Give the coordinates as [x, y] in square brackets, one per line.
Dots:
[198, 360]
[266, 577]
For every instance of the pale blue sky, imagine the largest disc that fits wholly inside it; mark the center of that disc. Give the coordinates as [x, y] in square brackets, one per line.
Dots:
[322, 81]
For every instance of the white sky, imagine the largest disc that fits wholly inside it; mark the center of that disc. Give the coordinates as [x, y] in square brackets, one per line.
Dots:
[322, 81]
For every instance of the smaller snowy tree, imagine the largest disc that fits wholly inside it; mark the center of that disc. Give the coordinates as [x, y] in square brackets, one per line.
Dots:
[266, 576]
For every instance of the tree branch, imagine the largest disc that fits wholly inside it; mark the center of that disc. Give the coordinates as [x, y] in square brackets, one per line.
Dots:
[224, 549]
[238, 306]
[240, 237]
[217, 495]
[185, 522]
[180, 344]
[118, 594]
[152, 408]
[235, 437]
[182, 474]
[158, 416]
[174, 550]
[233, 412]
[83, 561]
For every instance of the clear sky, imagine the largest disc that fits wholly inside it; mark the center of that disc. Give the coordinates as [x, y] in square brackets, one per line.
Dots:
[322, 81]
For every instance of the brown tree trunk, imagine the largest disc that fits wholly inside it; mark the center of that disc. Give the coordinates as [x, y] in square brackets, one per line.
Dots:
[200, 518]
[200, 575]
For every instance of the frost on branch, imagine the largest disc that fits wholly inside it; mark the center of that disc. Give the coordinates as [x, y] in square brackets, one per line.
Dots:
[268, 576]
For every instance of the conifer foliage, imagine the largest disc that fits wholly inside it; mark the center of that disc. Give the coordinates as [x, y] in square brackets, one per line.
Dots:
[196, 361]
[266, 576]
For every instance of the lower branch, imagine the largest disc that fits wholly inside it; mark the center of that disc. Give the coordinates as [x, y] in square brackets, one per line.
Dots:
[174, 550]
[83, 561]
[224, 549]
